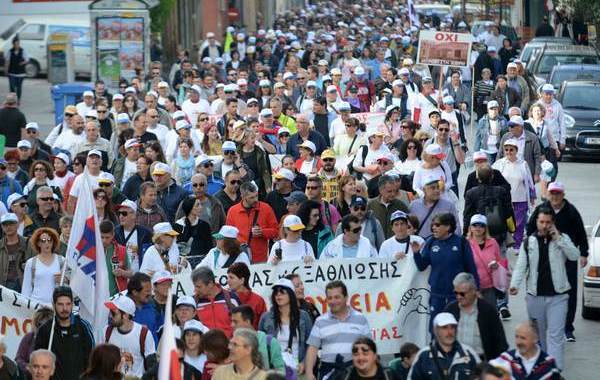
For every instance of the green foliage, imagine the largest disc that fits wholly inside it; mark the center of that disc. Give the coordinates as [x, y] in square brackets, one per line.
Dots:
[160, 14]
[589, 9]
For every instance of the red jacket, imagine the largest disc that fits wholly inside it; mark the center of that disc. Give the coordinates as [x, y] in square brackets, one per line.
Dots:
[121, 252]
[242, 218]
[215, 313]
[317, 164]
[256, 302]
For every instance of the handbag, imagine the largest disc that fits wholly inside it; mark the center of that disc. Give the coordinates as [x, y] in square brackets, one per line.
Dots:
[500, 278]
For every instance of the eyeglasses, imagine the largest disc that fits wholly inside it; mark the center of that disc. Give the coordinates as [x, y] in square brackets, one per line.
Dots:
[328, 159]
[203, 119]
[46, 199]
[229, 153]
[462, 294]
[411, 147]
[208, 165]
[235, 182]
[355, 230]
[46, 240]
[361, 349]
[38, 169]
[312, 187]
[21, 204]
[198, 184]
[105, 184]
[361, 208]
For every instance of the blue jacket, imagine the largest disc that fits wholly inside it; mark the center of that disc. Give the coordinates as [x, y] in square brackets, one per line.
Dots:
[544, 367]
[483, 130]
[214, 184]
[447, 258]
[150, 316]
[9, 186]
[267, 324]
[460, 363]
[314, 136]
[170, 198]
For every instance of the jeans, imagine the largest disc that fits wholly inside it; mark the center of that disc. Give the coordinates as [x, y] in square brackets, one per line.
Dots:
[16, 84]
[550, 313]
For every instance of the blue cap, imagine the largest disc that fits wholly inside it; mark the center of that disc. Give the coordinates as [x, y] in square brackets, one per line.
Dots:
[398, 215]
[358, 200]
[296, 197]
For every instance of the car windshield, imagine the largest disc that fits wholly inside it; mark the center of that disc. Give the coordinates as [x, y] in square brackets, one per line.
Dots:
[563, 75]
[548, 61]
[528, 51]
[582, 97]
[12, 29]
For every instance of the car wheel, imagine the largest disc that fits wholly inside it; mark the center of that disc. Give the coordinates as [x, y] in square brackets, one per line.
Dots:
[32, 69]
[590, 313]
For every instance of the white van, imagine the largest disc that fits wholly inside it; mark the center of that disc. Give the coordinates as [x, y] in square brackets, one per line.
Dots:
[34, 32]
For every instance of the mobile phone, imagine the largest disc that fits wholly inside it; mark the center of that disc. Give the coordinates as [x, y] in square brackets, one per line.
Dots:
[278, 253]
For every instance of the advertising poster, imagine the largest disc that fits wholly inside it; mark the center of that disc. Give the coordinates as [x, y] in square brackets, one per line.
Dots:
[444, 48]
[109, 67]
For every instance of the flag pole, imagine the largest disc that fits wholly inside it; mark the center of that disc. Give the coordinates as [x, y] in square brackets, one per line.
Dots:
[62, 280]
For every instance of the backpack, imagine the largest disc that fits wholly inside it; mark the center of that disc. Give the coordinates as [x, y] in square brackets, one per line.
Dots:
[363, 154]
[143, 335]
[490, 207]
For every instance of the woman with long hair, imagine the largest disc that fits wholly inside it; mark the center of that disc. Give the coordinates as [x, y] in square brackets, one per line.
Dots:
[347, 144]
[212, 142]
[131, 188]
[104, 207]
[238, 279]
[197, 132]
[265, 92]
[154, 152]
[184, 163]
[185, 310]
[315, 233]
[486, 253]
[227, 251]
[300, 179]
[308, 163]
[43, 271]
[41, 174]
[216, 348]
[347, 188]
[65, 223]
[410, 153]
[191, 227]
[27, 344]
[130, 105]
[192, 339]
[288, 324]
[105, 363]
[392, 124]
[507, 52]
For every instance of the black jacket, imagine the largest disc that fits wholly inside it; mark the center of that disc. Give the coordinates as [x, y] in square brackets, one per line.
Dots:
[568, 221]
[475, 204]
[200, 233]
[144, 238]
[72, 348]
[491, 331]
[497, 180]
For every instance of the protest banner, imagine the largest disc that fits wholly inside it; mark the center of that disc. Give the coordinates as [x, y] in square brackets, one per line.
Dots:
[444, 48]
[16, 311]
[393, 295]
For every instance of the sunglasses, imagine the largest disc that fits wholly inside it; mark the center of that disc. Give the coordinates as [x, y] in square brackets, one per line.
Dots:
[229, 152]
[361, 208]
[411, 147]
[355, 230]
[122, 213]
[462, 294]
[46, 240]
[203, 119]
[284, 134]
[312, 187]
[328, 159]
[69, 115]
[207, 165]
[355, 350]
[46, 199]
[21, 204]
[235, 182]
[480, 225]
[198, 184]
[104, 184]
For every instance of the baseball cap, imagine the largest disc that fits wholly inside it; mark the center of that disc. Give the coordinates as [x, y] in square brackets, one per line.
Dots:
[426, 79]
[556, 187]
[511, 65]
[296, 197]
[288, 75]
[24, 144]
[182, 124]
[448, 99]
[201, 159]
[548, 88]
[398, 215]
[206, 60]
[251, 101]
[278, 85]
[511, 142]
[13, 198]
[118, 97]
[226, 231]
[359, 70]
[386, 157]
[283, 130]
[492, 49]
[71, 109]
[331, 88]
[284, 173]
[293, 222]
[32, 125]
[398, 82]
[311, 83]
[229, 146]
[266, 112]
[91, 113]
[105, 177]
[9, 218]
[336, 71]
[344, 106]
[478, 219]
[130, 89]
[195, 325]
[326, 78]
[492, 104]
[196, 88]
[123, 118]
[131, 143]
[163, 84]
[162, 276]
[186, 300]
[480, 156]
[374, 132]
[358, 200]
[430, 179]
[164, 228]
[161, 168]
[284, 283]
[264, 83]
[516, 120]
[64, 158]
[391, 107]
[404, 71]
[308, 145]
[322, 62]
[88, 93]
[128, 204]
[435, 150]
[122, 303]
[327, 153]
[210, 35]
[444, 319]
[242, 82]
[94, 152]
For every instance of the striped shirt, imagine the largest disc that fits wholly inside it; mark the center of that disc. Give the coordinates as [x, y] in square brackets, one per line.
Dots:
[334, 336]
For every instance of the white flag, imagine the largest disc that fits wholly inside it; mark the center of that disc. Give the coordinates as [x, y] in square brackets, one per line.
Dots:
[168, 366]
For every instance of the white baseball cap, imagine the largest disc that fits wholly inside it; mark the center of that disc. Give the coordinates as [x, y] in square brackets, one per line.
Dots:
[24, 144]
[196, 88]
[398, 83]
[92, 114]
[128, 204]
[480, 155]
[161, 168]
[311, 83]
[13, 198]
[511, 142]
[229, 146]
[88, 93]
[548, 88]
[186, 300]
[226, 231]
[288, 75]
[359, 70]
[162, 276]
[278, 85]
[448, 99]
[344, 106]
[284, 173]
[492, 104]
[132, 143]
[478, 219]
[435, 150]
[122, 303]
[336, 71]
[556, 187]
[9, 218]
[242, 82]
[308, 145]
[118, 97]
[516, 120]
[283, 130]
[164, 228]
[163, 84]
[444, 319]
[123, 118]
[331, 88]
[64, 158]
[322, 62]
[94, 152]
[293, 222]
[404, 71]
[266, 112]
[32, 125]
[105, 177]
[195, 325]
[284, 282]
[264, 83]
[131, 89]
[182, 124]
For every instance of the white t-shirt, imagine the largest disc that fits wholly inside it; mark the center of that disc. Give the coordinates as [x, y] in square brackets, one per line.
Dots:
[197, 362]
[391, 246]
[78, 184]
[42, 285]
[129, 169]
[426, 107]
[292, 251]
[134, 258]
[153, 262]
[161, 133]
[221, 259]
[337, 127]
[130, 342]
[192, 110]
[83, 108]
[283, 336]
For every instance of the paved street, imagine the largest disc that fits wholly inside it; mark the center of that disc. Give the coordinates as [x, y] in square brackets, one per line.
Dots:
[582, 181]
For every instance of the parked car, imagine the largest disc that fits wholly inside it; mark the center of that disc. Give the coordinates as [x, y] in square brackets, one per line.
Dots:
[579, 100]
[543, 60]
[34, 32]
[563, 73]
[591, 278]
[538, 43]
[438, 9]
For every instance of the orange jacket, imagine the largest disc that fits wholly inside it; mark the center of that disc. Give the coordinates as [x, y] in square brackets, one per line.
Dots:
[242, 218]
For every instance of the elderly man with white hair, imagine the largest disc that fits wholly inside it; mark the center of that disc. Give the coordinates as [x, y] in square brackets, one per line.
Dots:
[42, 364]
[305, 132]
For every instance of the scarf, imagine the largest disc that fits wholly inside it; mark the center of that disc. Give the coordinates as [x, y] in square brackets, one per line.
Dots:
[185, 168]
